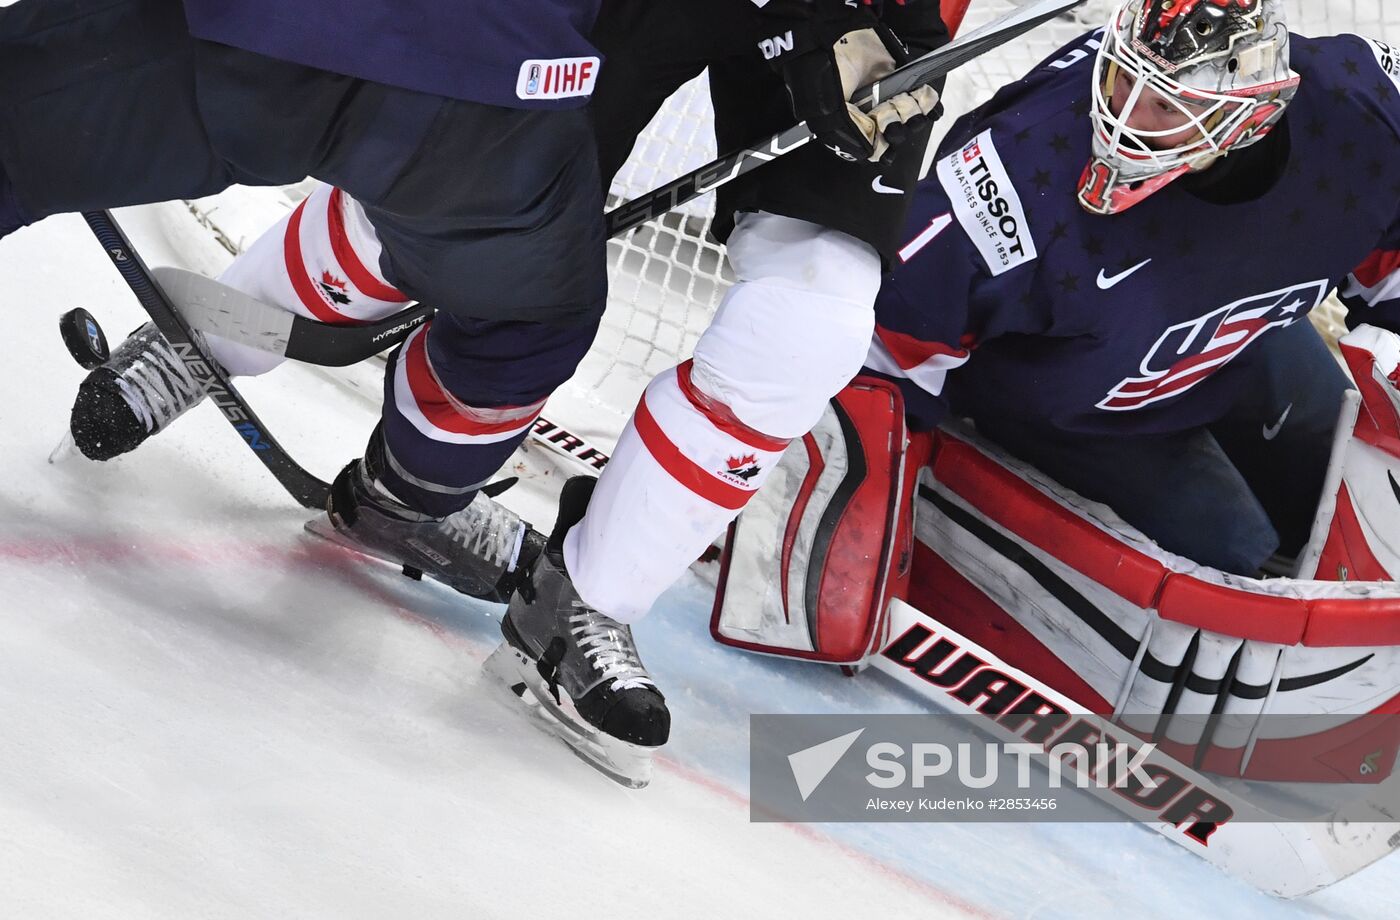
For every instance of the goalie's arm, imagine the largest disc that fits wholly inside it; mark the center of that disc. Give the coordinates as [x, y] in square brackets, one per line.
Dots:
[1371, 292]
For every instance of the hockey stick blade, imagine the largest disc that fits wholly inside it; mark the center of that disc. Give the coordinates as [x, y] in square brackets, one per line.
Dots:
[308, 490]
[217, 309]
[213, 307]
[916, 73]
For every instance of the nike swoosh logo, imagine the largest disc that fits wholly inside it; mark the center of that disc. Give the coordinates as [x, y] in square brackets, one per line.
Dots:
[879, 185]
[1394, 486]
[1106, 282]
[1271, 431]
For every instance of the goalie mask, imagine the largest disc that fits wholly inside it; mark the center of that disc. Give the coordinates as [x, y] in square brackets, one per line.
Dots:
[1178, 83]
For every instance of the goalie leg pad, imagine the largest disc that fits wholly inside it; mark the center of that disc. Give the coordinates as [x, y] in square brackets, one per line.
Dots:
[829, 541]
[1354, 537]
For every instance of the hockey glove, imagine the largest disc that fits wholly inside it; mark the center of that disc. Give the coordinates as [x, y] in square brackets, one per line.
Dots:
[825, 58]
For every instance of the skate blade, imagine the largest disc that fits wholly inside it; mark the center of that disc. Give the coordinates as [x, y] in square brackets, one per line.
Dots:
[322, 527]
[521, 686]
[65, 449]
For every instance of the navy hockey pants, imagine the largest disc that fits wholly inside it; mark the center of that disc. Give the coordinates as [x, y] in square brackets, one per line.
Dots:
[1227, 496]
[492, 215]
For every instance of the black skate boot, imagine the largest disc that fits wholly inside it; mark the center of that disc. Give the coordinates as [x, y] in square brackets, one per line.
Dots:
[555, 641]
[481, 550]
[141, 389]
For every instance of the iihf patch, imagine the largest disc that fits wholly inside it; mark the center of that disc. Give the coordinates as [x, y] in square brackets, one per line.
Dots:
[559, 78]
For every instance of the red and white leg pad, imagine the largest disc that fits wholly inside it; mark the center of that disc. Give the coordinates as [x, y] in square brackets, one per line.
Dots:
[1356, 535]
[809, 567]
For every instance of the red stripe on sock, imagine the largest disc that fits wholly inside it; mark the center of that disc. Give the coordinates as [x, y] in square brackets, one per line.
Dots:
[681, 468]
[450, 414]
[306, 291]
[345, 254]
[722, 417]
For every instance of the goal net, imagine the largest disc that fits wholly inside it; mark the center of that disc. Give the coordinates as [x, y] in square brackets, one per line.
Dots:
[667, 277]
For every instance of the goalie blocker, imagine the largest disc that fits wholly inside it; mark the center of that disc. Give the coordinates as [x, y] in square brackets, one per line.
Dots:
[1062, 589]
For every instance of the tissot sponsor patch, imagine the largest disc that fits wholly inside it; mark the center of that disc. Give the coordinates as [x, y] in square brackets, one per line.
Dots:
[986, 204]
[559, 78]
[1388, 58]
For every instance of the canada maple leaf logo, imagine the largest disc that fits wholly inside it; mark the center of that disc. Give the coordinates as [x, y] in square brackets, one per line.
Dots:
[744, 467]
[334, 288]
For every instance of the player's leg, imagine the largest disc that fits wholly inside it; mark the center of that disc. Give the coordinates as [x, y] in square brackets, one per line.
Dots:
[706, 434]
[517, 272]
[321, 261]
[459, 397]
[111, 102]
[554, 640]
[98, 108]
[807, 252]
[1180, 490]
[1279, 434]
[404, 155]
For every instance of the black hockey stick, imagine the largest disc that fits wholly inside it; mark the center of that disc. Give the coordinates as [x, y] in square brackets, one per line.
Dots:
[304, 487]
[213, 307]
[916, 73]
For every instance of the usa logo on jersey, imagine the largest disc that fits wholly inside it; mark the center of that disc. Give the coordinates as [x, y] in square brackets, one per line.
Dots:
[1189, 352]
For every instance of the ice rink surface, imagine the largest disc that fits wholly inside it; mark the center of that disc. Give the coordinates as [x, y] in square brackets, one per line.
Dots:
[207, 713]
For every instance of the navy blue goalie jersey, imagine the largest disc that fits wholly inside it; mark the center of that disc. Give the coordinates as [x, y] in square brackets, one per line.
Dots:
[519, 55]
[1011, 299]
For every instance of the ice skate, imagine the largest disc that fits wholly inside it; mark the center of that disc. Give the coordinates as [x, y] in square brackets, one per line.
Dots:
[481, 550]
[139, 391]
[577, 670]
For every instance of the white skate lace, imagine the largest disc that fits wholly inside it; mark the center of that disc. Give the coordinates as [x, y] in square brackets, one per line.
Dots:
[608, 645]
[488, 530]
[157, 387]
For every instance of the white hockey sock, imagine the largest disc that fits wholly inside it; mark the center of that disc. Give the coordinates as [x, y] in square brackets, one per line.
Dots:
[786, 339]
[674, 483]
[320, 261]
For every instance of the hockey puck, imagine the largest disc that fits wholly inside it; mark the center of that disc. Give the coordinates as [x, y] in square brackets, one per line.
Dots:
[84, 339]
